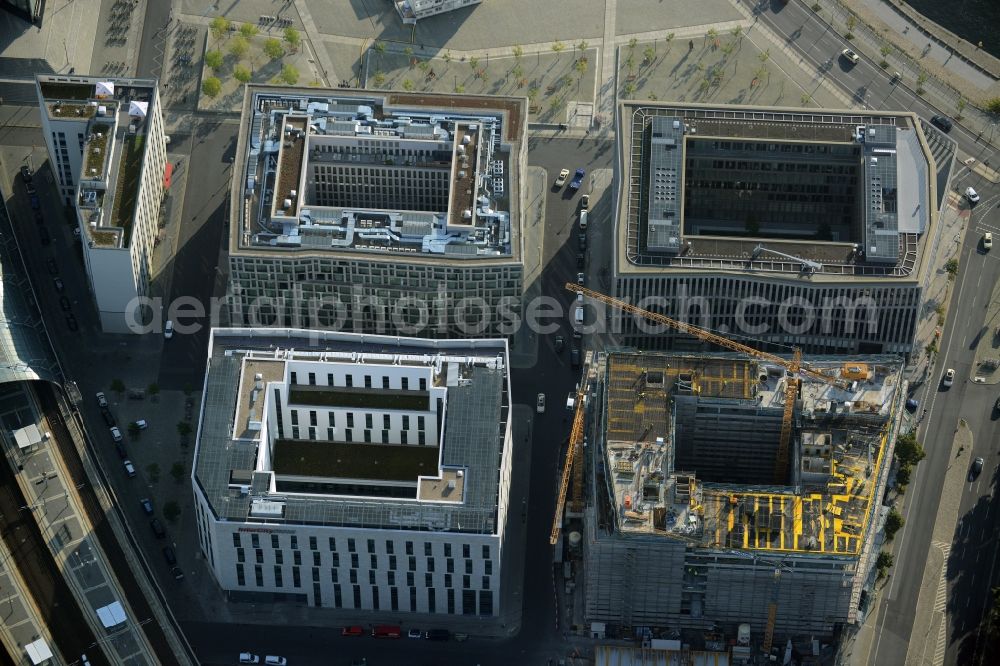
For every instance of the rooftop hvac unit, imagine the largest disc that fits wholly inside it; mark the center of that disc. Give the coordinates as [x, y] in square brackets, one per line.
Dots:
[466, 140]
[287, 203]
[461, 150]
[292, 194]
[461, 174]
[466, 214]
[451, 484]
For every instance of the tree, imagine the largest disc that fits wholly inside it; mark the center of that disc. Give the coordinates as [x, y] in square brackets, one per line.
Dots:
[171, 511]
[183, 428]
[474, 63]
[239, 46]
[447, 55]
[459, 88]
[883, 564]
[118, 386]
[249, 31]
[408, 51]
[669, 39]
[893, 523]
[581, 66]
[518, 52]
[960, 105]
[134, 430]
[885, 50]
[712, 34]
[632, 43]
[213, 59]
[153, 473]
[993, 105]
[582, 45]
[177, 471]
[629, 88]
[292, 38]
[951, 267]
[379, 78]
[852, 23]
[517, 72]
[380, 48]
[407, 85]
[630, 63]
[729, 47]
[273, 48]
[908, 449]
[289, 75]
[736, 32]
[649, 53]
[921, 80]
[764, 55]
[532, 93]
[242, 74]
[211, 86]
[558, 47]
[219, 26]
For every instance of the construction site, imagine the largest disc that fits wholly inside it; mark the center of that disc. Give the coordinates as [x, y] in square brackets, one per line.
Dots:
[698, 513]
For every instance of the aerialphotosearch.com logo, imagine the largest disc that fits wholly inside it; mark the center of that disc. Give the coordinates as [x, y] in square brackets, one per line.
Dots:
[442, 314]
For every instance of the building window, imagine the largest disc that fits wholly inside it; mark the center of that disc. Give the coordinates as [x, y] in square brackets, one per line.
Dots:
[466, 582]
[413, 599]
[294, 378]
[241, 555]
[312, 379]
[447, 550]
[275, 543]
[409, 578]
[431, 600]
[486, 582]
[394, 598]
[277, 577]
[451, 601]
[368, 381]
[468, 602]
[295, 417]
[421, 438]
[371, 577]
[420, 423]
[486, 602]
[312, 543]
[258, 573]
[450, 565]
[349, 381]
[368, 420]
[386, 421]
[389, 547]
[405, 383]
[391, 577]
[374, 561]
[357, 596]
[350, 419]
[466, 550]
[354, 560]
[329, 379]
[312, 417]
[259, 555]
[315, 558]
[406, 422]
[371, 545]
[334, 575]
[241, 577]
[423, 383]
[447, 580]
[409, 548]
[392, 562]
[428, 580]
[375, 599]
[336, 559]
[279, 556]
[236, 539]
[352, 575]
[296, 581]
[385, 382]
[368, 436]
[468, 566]
[333, 544]
[350, 545]
[489, 567]
[255, 540]
[486, 552]
[413, 563]
[338, 600]
[297, 557]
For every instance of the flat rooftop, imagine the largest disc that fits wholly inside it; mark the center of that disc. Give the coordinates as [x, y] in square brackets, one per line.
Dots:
[243, 479]
[115, 114]
[355, 171]
[656, 404]
[773, 191]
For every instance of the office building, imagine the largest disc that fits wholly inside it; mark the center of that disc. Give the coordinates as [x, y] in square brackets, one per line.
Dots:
[358, 472]
[378, 212]
[108, 153]
[411, 11]
[695, 517]
[793, 228]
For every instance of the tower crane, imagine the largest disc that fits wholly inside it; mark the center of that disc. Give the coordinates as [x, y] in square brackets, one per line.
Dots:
[573, 455]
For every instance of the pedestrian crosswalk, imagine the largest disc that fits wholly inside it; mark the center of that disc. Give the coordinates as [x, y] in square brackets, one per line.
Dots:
[940, 603]
[942, 148]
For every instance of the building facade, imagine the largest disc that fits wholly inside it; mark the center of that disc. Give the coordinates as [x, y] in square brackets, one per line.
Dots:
[378, 213]
[411, 11]
[360, 472]
[784, 228]
[108, 152]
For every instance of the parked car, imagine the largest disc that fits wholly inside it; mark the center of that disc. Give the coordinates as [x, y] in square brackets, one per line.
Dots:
[169, 556]
[249, 658]
[580, 279]
[129, 468]
[107, 416]
[30, 189]
[583, 220]
[563, 175]
[65, 304]
[168, 330]
[437, 634]
[577, 179]
[116, 434]
[353, 630]
[585, 202]
[141, 424]
[102, 400]
[851, 55]
[414, 633]
[943, 123]
[58, 284]
[120, 448]
[972, 195]
[582, 240]
[272, 660]
[25, 174]
[177, 573]
[35, 203]
[147, 506]
[581, 260]
[560, 343]
[574, 357]
[540, 403]
[71, 323]
[158, 530]
[52, 266]
[988, 240]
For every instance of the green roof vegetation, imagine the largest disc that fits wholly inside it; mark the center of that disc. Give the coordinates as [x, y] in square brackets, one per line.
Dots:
[128, 186]
[103, 238]
[378, 462]
[358, 397]
[96, 150]
[55, 90]
[60, 110]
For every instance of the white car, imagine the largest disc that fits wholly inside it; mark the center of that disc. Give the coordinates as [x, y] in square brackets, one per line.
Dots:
[116, 434]
[988, 240]
[563, 175]
[168, 330]
[949, 377]
[540, 403]
[141, 424]
[971, 195]
[580, 278]
[249, 658]
[102, 400]
[129, 468]
[851, 55]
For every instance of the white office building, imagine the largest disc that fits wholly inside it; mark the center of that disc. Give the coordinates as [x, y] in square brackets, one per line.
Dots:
[355, 472]
[108, 152]
[411, 11]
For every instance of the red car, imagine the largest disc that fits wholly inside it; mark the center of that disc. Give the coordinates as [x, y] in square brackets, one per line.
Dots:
[356, 630]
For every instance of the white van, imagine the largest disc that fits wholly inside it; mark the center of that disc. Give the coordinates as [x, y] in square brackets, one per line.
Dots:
[579, 315]
[583, 220]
